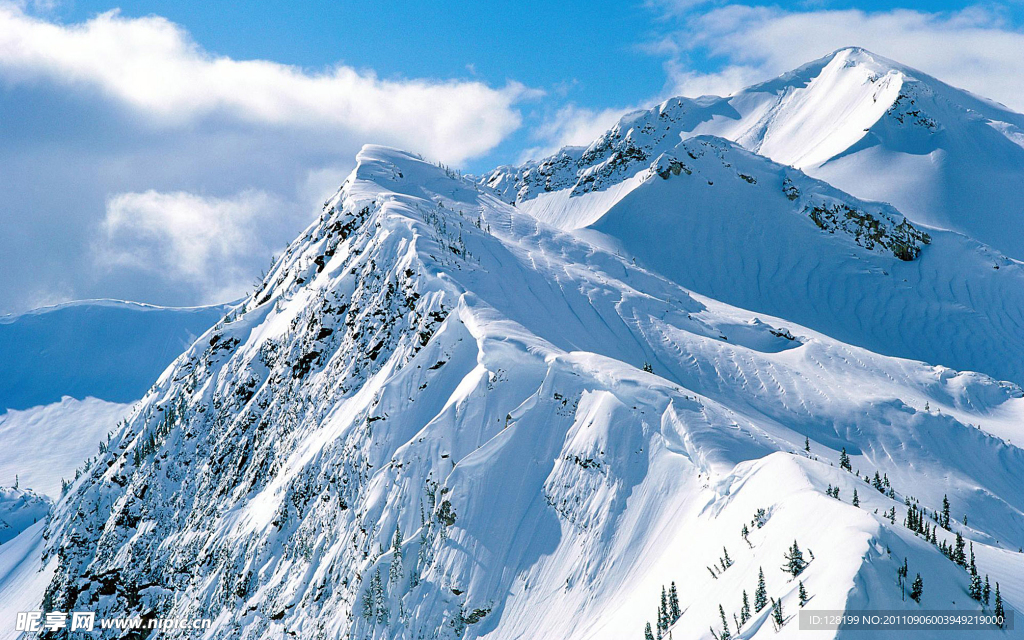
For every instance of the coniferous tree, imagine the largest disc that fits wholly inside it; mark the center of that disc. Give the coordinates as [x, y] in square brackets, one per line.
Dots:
[856, 499]
[761, 594]
[795, 562]
[877, 483]
[379, 604]
[663, 609]
[726, 560]
[673, 603]
[986, 590]
[976, 591]
[807, 444]
[803, 594]
[901, 577]
[917, 589]
[746, 536]
[745, 609]
[648, 634]
[958, 551]
[844, 460]
[777, 616]
[945, 512]
[395, 575]
[368, 610]
[725, 635]
[999, 613]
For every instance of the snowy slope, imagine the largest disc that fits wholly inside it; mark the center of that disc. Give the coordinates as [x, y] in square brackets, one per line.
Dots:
[867, 125]
[428, 360]
[23, 579]
[19, 510]
[743, 230]
[106, 349]
[44, 444]
[739, 228]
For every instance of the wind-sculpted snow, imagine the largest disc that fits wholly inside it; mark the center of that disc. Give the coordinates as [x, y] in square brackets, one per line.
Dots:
[865, 124]
[440, 417]
[741, 229]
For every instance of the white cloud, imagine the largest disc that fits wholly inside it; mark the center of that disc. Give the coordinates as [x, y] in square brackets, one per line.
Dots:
[213, 244]
[135, 107]
[974, 48]
[150, 64]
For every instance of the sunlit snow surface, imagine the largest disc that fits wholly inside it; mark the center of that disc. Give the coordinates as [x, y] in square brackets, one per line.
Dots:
[427, 357]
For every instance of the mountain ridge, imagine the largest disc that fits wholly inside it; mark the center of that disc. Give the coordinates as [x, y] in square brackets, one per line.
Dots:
[441, 417]
[869, 126]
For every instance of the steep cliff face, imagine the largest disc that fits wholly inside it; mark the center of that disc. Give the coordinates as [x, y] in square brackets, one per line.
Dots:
[440, 417]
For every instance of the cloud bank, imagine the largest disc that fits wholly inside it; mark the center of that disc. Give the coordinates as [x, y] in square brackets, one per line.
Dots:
[139, 165]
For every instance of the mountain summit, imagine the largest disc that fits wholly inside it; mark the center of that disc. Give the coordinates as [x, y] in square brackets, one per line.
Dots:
[870, 126]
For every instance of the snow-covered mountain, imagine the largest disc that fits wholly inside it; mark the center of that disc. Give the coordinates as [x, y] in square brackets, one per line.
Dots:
[870, 126]
[442, 416]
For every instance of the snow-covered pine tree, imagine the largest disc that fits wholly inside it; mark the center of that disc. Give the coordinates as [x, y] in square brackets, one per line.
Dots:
[395, 574]
[917, 589]
[803, 594]
[368, 610]
[958, 551]
[673, 603]
[901, 577]
[761, 593]
[844, 460]
[807, 444]
[998, 611]
[725, 635]
[726, 560]
[945, 513]
[795, 562]
[778, 618]
[648, 634]
[745, 609]
[380, 605]
[856, 498]
[976, 590]
[663, 612]
[986, 590]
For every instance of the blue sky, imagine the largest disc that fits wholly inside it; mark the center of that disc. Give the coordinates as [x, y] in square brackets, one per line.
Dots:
[596, 54]
[163, 151]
